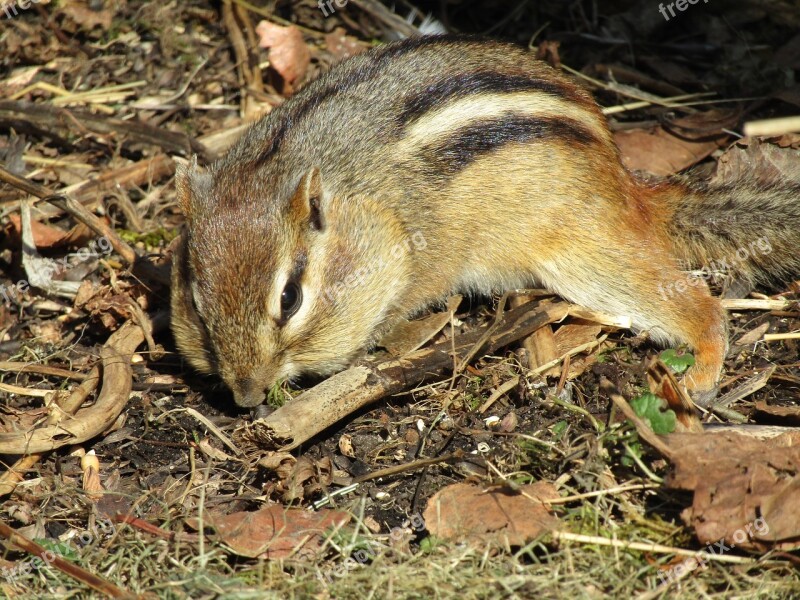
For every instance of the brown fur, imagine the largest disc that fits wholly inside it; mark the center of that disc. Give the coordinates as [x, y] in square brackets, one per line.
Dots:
[426, 167]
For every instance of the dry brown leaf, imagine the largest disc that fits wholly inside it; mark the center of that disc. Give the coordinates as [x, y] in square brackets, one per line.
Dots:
[79, 11]
[788, 415]
[274, 460]
[760, 160]
[664, 385]
[342, 46]
[753, 336]
[48, 237]
[499, 515]
[659, 152]
[303, 478]
[103, 303]
[740, 482]
[276, 531]
[288, 53]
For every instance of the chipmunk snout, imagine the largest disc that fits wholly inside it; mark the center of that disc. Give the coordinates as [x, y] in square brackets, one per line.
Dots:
[248, 392]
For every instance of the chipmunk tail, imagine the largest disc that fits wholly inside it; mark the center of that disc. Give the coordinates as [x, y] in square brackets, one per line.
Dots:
[748, 229]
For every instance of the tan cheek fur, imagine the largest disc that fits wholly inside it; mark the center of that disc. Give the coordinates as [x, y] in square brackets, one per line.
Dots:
[354, 287]
[189, 334]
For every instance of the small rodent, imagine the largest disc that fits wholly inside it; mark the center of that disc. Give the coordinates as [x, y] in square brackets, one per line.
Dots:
[443, 164]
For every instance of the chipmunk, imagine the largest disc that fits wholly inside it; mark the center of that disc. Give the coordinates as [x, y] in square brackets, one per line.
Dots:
[438, 165]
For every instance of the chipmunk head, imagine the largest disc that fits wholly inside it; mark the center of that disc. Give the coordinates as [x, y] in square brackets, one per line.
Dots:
[275, 278]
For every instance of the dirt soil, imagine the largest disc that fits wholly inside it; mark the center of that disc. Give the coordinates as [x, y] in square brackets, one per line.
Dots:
[102, 98]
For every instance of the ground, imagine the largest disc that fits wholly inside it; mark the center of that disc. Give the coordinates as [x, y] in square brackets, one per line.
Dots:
[176, 458]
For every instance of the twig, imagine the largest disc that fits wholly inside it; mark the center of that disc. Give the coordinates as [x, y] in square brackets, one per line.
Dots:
[772, 126]
[756, 304]
[141, 265]
[68, 121]
[22, 391]
[506, 387]
[412, 466]
[48, 557]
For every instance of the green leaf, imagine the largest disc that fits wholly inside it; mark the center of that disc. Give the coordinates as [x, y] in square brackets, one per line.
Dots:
[648, 407]
[678, 360]
[633, 447]
[428, 544]
[58, 547]
[559, 428]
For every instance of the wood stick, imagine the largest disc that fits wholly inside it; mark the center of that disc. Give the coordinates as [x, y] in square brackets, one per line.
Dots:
[338, 396]
[70, 121]
[95, 582]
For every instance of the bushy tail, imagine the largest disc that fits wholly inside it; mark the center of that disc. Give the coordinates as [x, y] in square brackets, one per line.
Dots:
[748, 229]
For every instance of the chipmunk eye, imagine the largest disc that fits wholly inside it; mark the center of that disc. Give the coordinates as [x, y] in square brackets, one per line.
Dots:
[291, 299]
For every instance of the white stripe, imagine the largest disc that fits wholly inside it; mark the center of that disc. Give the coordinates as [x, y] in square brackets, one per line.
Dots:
[443, 121]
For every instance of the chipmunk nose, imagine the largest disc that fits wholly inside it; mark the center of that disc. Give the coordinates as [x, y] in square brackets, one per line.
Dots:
[248, 392]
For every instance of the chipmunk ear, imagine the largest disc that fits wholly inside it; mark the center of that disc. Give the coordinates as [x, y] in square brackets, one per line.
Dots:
[192, 185]
[306, 204]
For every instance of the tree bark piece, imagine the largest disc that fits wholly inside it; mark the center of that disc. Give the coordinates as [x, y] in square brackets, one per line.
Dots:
[92, 421]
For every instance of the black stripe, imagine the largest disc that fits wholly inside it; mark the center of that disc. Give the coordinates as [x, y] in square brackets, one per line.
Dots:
[479, 82]
[330, 84]
[465, 145]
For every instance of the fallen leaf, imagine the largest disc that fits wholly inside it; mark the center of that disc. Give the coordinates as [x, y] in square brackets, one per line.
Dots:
[759, 160]
[48, 237]
[664, 385]
[787, 415]
[753, 336]
[288, 53]
[342, 46]
[276, 532]
[659, 152]
[499, 515]
[87, 18]
[300, 478]
[738, 480]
